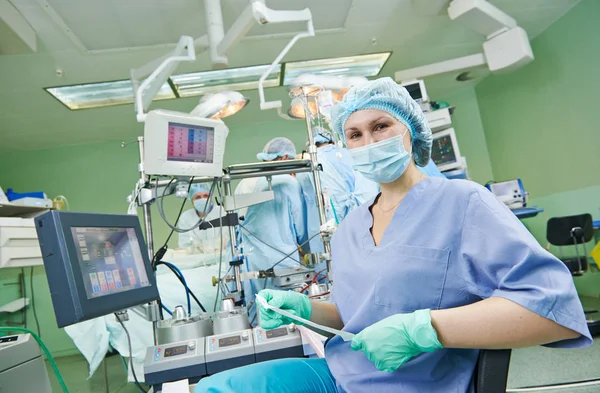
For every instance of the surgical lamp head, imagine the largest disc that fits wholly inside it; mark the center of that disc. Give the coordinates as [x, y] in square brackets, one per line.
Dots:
[220, 105]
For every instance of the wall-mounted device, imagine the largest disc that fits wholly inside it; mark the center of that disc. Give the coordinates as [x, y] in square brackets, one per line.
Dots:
[445, 152]
[416, 89]
[511, 193]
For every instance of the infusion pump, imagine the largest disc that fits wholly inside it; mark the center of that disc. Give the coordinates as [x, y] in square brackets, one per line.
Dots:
[179, 144]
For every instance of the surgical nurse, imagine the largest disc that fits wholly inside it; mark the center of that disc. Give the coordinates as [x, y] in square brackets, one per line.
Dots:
[428, 273]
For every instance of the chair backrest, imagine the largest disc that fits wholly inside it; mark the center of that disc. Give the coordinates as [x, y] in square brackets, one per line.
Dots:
[491, 374]
[558, 231]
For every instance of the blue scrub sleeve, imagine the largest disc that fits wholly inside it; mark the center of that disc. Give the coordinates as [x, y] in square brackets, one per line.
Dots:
[281, 376]
[502, 259]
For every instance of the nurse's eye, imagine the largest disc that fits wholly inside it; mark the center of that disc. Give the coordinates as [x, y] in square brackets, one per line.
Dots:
[355, 135]
[380, 127]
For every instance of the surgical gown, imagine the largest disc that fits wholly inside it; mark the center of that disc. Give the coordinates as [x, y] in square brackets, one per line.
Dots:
[345, 188]
[450, 243]
[273, 229]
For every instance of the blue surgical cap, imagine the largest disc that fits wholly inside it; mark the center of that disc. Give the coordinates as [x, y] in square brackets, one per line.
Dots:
[276, 148]
[386, 95]
[198, 187]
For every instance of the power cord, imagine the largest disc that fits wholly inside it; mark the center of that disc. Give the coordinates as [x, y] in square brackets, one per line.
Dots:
[179, 276]
[24, 286]
[270, 246]
[137, 383]
[35, 317]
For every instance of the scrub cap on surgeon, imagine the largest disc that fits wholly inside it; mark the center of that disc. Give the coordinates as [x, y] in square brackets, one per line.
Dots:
[386, 95]
[276, 148]
[198, 187]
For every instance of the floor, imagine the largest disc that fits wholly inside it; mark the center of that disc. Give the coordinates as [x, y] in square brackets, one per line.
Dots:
[528, 367]
[74, 370]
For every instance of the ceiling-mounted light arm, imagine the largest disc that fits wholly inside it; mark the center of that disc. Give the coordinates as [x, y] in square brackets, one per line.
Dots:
[144, 93]
[215, 31]
[238, 30]
[265, 15]
[458, 64]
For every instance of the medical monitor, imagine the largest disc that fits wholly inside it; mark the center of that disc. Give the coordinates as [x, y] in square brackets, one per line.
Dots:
[444, 151]
[96, 264]
[417, 90]
[179, 144]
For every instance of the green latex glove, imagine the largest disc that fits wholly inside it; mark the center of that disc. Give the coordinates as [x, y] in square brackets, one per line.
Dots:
[395, 340]
[290, 301]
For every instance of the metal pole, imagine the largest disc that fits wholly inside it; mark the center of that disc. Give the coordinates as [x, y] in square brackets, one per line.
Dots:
[232, 238]
[312, 151]
[147, 223]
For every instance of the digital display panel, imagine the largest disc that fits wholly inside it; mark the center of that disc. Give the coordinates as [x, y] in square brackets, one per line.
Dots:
[415, 91]
[110, 260]
[174, 351]
[277, 332]
[190, 143]
[442, 151]
[228, 341]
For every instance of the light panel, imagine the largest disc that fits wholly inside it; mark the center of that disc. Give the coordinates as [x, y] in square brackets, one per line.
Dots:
[362, 65]
[98, 95]
[206, 82]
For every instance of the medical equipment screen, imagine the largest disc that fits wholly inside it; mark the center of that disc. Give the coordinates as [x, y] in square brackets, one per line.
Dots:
[415, 91]
[442, 151]
[190, 143]
[110, 260]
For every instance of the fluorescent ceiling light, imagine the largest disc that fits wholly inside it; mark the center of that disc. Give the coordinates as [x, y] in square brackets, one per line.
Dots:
[362, 65]
[97, 95]
[206, 82]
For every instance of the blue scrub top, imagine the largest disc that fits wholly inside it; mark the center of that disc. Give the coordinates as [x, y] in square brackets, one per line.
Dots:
[449, 244]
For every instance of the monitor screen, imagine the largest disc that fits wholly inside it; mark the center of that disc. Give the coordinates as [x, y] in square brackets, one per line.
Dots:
[442, 151]
[190, 143]
[110, 260]
[414, 89]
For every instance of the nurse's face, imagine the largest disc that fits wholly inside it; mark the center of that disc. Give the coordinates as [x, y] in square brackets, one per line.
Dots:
[371, 126]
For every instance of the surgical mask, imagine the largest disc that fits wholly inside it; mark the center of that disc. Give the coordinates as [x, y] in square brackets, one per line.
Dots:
[202, 206]
[382, 162]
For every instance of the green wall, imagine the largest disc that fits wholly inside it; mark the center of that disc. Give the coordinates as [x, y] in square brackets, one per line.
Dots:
[470, 134]
[98, 178]
[540, 123]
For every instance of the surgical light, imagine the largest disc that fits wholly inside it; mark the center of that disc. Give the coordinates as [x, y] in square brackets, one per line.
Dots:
[297, 110]
[220, 105]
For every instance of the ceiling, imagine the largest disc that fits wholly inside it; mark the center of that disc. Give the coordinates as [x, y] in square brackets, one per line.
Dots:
[83, 41]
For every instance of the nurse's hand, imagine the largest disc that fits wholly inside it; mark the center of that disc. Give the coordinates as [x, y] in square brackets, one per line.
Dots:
[290, 301]
[395, 340]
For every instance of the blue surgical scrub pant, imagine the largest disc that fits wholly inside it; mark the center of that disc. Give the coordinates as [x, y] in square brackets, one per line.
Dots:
[276, 376]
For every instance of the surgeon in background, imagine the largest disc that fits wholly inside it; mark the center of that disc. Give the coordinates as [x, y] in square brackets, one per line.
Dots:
[207, 241]
[343, 188]
[275, 228]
